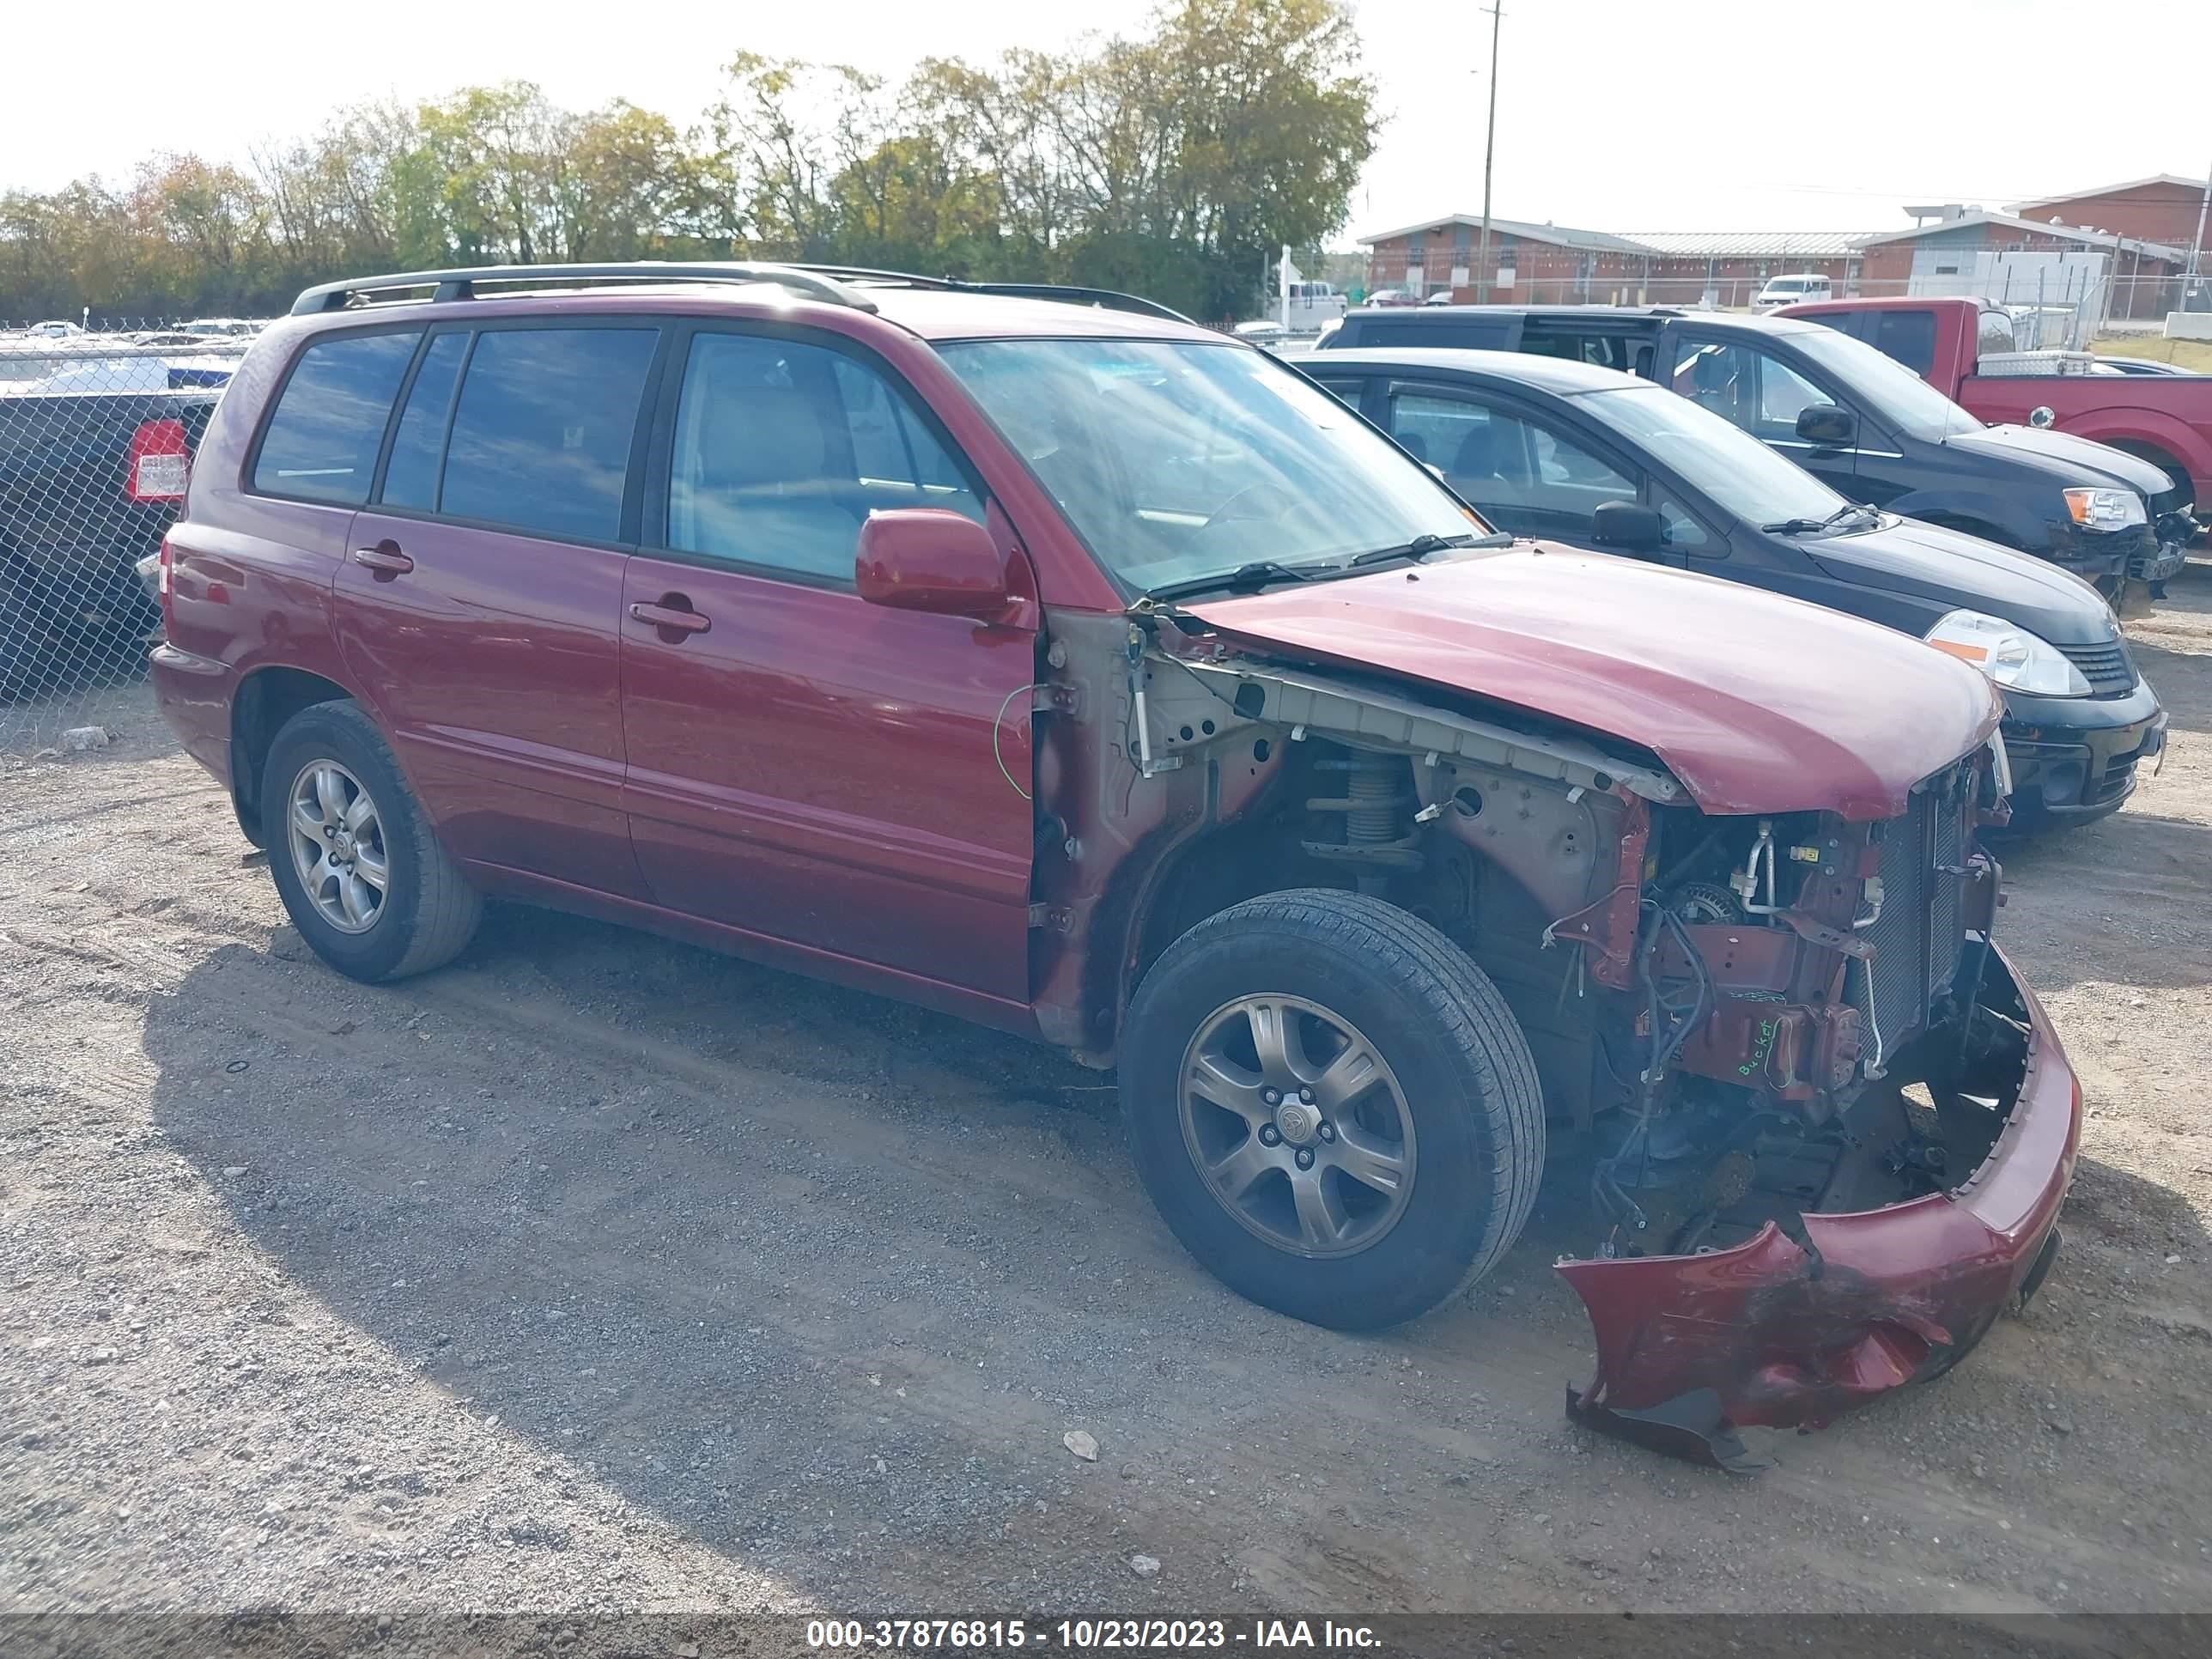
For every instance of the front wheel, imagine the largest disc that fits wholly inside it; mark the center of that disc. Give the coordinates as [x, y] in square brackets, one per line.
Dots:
[1332, 1107]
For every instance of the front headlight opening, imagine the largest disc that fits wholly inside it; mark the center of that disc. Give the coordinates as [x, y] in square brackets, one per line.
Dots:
[2008, 653]
[2107, 509]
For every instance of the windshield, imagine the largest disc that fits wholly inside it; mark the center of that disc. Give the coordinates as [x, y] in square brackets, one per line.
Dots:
[1897, 396]
[1739, 474]
[1176, 460]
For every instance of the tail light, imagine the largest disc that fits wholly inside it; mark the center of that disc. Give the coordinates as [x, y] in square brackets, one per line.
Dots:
[160, 462]
[166, 587]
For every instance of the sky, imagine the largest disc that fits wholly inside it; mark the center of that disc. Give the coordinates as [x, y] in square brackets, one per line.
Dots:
[1617, 115]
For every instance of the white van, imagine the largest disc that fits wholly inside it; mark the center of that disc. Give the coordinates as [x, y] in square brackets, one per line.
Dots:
[1790, 290]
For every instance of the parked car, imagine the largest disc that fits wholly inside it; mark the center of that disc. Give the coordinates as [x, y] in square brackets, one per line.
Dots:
[54, 329]
[94, 456]
[2143, 365]
[1094, 676]
[1853, 417]
[1790, 290]
[1959, 346]
[1546, 448]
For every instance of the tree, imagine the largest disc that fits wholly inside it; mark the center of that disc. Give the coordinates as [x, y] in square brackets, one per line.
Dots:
[1174, 163]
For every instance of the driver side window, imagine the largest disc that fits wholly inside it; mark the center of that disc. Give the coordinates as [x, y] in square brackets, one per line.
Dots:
[1745, 386]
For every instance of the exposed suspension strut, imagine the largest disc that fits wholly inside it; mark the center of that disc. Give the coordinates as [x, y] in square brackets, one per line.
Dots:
[1376, 807]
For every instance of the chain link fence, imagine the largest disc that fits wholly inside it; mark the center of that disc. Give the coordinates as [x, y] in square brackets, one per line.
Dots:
[97, 431]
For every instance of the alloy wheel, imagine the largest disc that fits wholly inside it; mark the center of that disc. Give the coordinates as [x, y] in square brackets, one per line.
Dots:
[1297, 1125]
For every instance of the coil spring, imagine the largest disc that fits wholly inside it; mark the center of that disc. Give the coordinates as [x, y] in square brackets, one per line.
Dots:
[1375, 805]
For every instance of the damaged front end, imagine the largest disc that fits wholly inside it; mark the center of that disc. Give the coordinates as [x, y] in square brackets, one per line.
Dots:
[1847, 1145]
[1827, 1129]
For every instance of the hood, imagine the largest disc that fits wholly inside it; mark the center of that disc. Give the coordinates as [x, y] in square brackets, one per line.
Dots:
[1756, 704]
[1954, 571]
[2067, 460]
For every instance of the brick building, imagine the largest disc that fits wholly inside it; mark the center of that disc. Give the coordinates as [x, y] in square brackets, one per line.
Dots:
[2117, 252]
[1532, 264]
[2141, 278]
[1558, 264]
[2164, 209]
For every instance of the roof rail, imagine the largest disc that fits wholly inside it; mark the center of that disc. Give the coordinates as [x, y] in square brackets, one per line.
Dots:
[461, 284]
[1108, 299]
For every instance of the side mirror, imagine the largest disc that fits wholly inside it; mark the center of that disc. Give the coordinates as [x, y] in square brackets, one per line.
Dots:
[1629, 525]
[1825, 424]
[928, 558]
[2041, 415]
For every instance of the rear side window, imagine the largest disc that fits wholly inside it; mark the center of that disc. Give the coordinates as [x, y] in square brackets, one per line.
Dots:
[1907, 335]
[541, 434]
[329, 422]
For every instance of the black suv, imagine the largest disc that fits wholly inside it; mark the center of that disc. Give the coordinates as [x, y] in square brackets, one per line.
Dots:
[1867, 427]
[1566, 451]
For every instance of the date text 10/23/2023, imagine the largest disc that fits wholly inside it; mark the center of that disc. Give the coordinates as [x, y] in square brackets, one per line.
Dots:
[1086, 1635]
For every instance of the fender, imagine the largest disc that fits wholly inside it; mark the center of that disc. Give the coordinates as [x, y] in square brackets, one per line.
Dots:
[2186, 445]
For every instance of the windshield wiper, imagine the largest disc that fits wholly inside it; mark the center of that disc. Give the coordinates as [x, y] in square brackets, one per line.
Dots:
[1810, 526]
[1421, 546]
[1258, 574]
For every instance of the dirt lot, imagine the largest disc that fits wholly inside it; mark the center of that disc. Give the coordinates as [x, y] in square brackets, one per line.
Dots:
[596, 1271]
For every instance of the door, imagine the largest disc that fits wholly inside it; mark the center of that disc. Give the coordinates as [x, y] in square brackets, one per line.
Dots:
[1522, 472]
[803, 765]
[1759, 390]
[479, 604]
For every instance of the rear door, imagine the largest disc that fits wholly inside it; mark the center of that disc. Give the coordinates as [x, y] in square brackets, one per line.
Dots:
[809, 767]
[478, 602]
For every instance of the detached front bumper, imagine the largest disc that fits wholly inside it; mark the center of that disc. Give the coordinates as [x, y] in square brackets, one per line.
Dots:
[1792, 1333]
[2171, 536]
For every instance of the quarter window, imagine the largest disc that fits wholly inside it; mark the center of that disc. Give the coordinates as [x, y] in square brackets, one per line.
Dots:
[542, 433]
[783, 449]
[329, 422]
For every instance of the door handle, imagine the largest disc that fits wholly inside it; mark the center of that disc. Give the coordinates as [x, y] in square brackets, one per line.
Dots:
[671, 619]
[385, 558]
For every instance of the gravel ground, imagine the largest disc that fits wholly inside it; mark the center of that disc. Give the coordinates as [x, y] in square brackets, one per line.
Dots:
[598, 1272]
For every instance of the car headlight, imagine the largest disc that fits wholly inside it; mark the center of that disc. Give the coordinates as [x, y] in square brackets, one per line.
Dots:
[2009, 654]
[2106, 509]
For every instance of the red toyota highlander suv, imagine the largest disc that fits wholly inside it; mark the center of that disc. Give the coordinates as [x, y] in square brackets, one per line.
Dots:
[1093, 676]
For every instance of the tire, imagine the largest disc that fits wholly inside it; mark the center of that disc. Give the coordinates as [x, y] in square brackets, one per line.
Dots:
[1452, 1062]
[426, 913]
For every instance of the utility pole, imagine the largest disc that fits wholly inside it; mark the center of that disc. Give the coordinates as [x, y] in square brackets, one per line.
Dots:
[1490, 143]
[2196, 248]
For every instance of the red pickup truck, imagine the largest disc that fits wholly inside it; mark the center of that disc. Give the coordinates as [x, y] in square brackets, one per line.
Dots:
[2167, 419]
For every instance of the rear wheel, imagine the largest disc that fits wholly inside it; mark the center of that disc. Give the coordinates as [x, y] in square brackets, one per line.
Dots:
[1332, 1107]
[355, 858]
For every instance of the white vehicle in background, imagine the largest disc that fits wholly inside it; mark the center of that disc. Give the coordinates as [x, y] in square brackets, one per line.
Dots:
[55, 330]
[220, 328]
[1792, 291]
[1312, 305]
